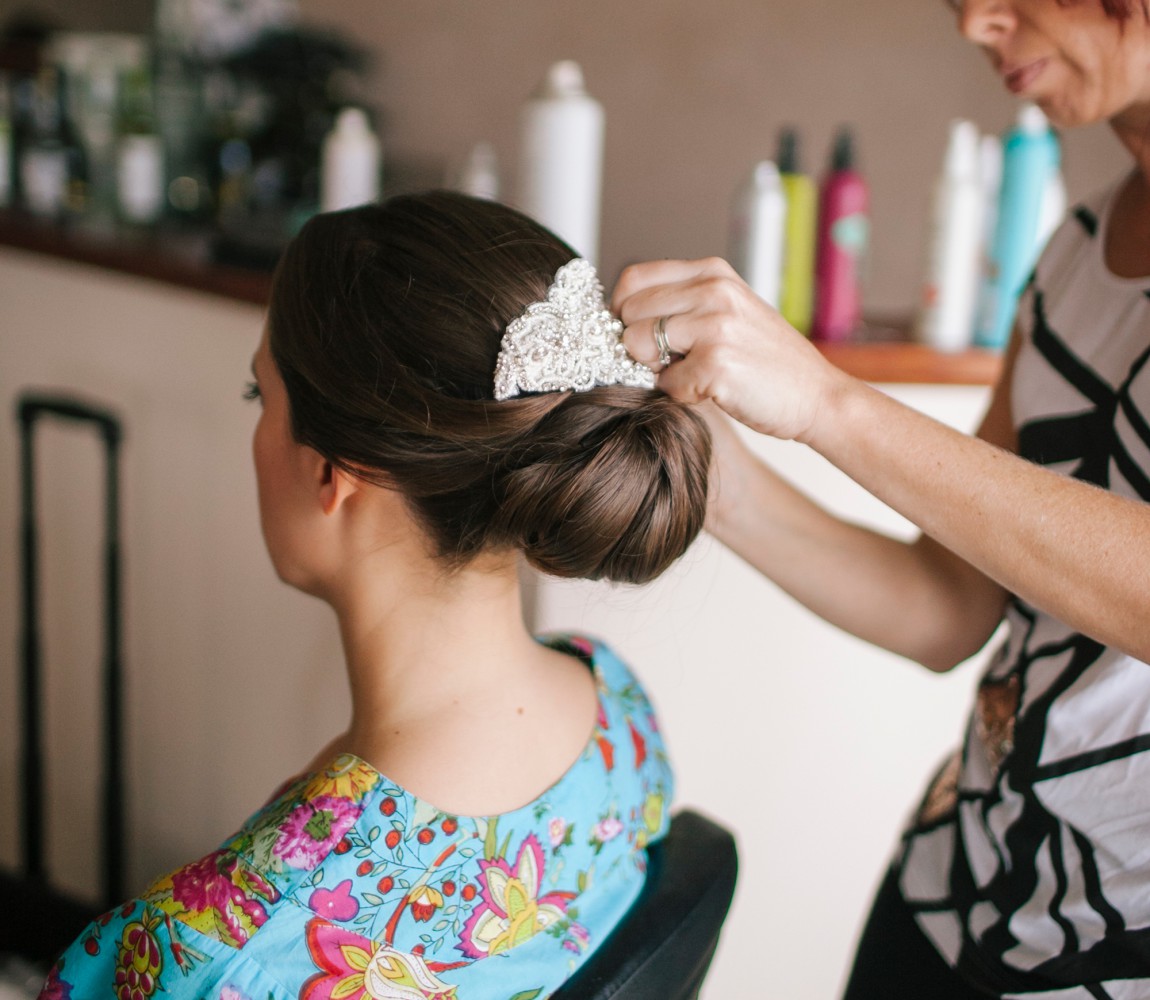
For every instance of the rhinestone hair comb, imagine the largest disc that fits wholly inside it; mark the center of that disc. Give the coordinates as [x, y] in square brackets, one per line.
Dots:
[569, 341]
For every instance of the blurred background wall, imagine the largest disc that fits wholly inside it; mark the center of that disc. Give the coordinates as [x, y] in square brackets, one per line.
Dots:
[694, 95]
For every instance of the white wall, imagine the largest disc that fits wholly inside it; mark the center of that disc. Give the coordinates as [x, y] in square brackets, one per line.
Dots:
[807, 743]
[227, 669]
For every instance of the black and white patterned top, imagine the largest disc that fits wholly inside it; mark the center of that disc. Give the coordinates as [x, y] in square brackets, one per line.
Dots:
[1028, 863]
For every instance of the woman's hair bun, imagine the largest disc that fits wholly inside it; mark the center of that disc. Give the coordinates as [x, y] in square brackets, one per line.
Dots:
[386, 323]
[610, 484]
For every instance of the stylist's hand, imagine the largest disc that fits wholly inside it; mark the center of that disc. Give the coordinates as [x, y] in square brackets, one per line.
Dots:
[735, 349]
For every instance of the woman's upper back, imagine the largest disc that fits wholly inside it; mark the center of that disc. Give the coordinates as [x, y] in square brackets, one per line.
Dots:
[346, 881]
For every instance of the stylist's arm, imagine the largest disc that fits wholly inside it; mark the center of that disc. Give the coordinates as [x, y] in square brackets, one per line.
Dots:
[992, 522]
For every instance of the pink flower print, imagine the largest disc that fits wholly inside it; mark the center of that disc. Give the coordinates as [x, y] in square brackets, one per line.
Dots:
[335, 904]
[357, 968]
[231, 993]
[219, 895]
[601, 717]
[511, 910]
[557, 832]
[56, 988]
[312, 829]
[607, 829]
[577, 939]
[581, 645]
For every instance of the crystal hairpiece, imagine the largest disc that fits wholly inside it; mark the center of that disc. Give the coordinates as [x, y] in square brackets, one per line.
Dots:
[568, 341]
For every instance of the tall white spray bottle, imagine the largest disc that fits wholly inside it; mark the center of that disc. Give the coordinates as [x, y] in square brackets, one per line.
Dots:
[758, 230]
[949, 305]
[561, 170]
[350, 166]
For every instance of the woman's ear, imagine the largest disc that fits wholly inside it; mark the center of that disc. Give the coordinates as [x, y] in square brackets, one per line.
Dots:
[336, 486]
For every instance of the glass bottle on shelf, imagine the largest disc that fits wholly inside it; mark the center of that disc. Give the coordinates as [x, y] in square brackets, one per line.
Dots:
[178, 88]
[140, 180]
[6, 146]
[52, 168]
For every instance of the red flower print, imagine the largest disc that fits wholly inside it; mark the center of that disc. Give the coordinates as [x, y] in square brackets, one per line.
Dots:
[639, 743]
[607, 749]
[424, 902]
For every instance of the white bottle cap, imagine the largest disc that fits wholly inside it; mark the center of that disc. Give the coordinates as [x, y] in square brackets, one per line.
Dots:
[1031, 120]
[564, 79]
[767, 174]
[352, 122]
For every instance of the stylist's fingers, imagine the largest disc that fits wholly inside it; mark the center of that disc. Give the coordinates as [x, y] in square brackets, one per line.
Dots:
[637, 278]
[676, 317]
[642, 287]
[657, 341]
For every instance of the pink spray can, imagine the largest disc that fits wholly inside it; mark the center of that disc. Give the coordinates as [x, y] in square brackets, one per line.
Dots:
[843, 232]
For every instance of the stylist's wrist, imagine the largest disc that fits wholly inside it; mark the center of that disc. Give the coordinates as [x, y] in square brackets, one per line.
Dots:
[834, 402]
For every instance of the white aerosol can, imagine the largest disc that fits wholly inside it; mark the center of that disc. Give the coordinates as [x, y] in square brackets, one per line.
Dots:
[949, 306]
[350, 168]
[561, 168]
[758, 230]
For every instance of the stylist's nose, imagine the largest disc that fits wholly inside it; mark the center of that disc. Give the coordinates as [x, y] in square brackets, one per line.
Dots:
[985, 22]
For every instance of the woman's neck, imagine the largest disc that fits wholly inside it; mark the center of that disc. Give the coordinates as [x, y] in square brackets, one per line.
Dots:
[424, 637]
[451, 696]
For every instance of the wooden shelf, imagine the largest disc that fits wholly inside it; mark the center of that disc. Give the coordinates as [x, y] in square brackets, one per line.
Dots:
[901, 361]
[883, 351]
[174, 258]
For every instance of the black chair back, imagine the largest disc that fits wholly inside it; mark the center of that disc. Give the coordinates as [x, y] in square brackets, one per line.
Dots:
[664, 946]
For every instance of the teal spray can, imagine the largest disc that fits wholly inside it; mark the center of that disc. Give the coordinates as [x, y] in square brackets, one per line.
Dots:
[1030, 163]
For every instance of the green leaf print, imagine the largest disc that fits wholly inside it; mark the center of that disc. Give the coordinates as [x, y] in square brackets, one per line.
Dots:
[489, 841]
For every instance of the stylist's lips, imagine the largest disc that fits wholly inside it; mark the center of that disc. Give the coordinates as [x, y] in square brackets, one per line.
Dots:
[1019, 78]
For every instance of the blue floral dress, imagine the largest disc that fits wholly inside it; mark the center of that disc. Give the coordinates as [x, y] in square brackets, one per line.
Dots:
[345, 886]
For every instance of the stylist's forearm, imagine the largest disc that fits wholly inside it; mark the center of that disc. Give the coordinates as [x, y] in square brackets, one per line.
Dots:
[913, 599]
[1067, 547]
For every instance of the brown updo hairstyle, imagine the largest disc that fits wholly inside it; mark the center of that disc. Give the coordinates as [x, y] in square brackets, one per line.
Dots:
[385, 324]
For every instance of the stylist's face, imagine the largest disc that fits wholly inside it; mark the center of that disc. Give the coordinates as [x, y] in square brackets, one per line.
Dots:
[1077, 64]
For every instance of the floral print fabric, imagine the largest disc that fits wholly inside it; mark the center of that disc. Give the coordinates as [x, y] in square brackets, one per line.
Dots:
[347, 887]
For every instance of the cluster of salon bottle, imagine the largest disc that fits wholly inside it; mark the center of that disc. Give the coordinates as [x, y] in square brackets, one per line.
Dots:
[802, 247]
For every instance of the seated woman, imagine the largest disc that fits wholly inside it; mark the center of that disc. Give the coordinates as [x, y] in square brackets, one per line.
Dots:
[442, 390]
